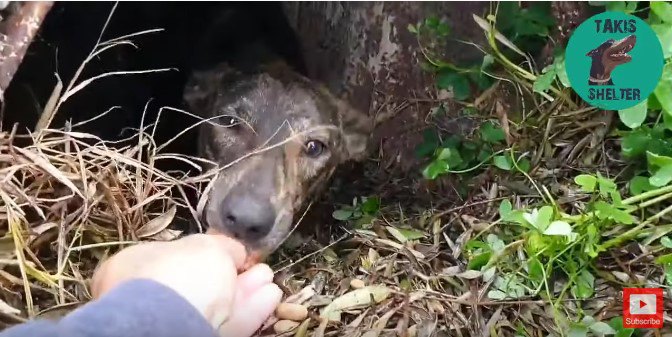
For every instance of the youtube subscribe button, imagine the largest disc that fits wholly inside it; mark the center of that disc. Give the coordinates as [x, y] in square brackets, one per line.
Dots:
[643, 308]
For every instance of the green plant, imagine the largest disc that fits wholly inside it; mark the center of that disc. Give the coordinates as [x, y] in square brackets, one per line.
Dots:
[362, 211]
[457, 154]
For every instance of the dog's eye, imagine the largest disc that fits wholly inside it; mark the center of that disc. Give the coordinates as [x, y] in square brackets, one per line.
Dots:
[314, 148]
[229, 121]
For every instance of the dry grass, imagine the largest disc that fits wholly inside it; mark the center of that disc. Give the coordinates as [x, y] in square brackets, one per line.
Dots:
[68, 200]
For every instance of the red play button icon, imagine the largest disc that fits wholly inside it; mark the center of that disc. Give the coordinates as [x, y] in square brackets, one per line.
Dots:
[642, 304]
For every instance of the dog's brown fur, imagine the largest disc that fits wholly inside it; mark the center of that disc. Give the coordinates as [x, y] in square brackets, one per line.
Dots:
[269, 118]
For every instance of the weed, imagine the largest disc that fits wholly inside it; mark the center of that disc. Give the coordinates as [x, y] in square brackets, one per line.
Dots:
[362, 211]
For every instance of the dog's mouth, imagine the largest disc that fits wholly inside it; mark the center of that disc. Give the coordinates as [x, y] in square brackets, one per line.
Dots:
[619, 50]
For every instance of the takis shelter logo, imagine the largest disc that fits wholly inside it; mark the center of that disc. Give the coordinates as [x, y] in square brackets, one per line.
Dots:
[614, 60]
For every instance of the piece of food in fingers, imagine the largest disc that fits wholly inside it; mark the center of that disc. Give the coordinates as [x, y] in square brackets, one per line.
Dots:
[252, 257]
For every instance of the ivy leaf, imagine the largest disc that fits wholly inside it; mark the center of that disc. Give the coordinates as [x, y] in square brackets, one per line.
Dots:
[524, 165]
[545, 80]
[448, 79]
[607, 211]
[657, 161]
[662, 176]
[535, 269]
[561, 71]
[664, 33]
[435, 169]
[371, 205]
[342, 214]
[492, 134]
[560, 228]
[617, 324]
[505, 209]
[634, 116]
[586, 181]
[540, 218]
[503, 162]
[666, 242]
[635, 143]
[584, 285]
[451, 156]
[639, 185]
[577, 330]
[662, 9]
[602, 328]
[664, 87]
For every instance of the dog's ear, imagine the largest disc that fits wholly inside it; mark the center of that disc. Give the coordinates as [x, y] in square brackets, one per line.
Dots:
[356, 128]
[592, 52]
[202, 87]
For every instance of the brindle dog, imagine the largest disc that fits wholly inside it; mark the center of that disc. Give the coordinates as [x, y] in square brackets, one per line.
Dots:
[284, 135]
[607, 56]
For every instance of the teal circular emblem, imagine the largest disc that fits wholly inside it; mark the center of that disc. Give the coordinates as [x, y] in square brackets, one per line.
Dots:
[614, 60]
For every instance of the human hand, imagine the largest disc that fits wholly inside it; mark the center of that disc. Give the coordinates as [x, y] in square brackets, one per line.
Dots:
[203, 269]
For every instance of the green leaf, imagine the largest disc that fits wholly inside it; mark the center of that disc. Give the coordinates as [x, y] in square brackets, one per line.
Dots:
[668, 274]
[492, 134]
[662, 176]
[435, 169]
[606, 186]
[544, 81]
[584, 285]
[558, 227]
[607, 211]
[503, 162]
[664, 87]
[662, 9]
[451, 156]
[635, 143]
[577, 330]
[495, 243]
[443, 29]
[505, 209]
[634, 117]
[622, 6]
[411, 28]
[617, 324]
[639, 185]
[602, 328]
[666, 242]
[429, 144]
[540, 218]
[524, 165]
[411, 234]
[535, 269]
[371, 205]
[478, 261]
[448, 78]
[432, 21]
[586, 181]
[657, 161]
[664, 33]
[342, 214]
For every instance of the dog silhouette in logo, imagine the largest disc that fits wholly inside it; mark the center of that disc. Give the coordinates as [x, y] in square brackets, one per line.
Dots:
[607, 56]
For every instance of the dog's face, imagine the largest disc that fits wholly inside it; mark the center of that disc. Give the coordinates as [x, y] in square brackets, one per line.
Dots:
[282, 137]
[613, 53]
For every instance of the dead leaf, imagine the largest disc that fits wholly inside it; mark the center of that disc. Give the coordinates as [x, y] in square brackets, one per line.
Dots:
[157, 224]
[354, 299]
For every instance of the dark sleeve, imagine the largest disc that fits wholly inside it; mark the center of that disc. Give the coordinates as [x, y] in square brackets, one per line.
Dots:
[138, 308]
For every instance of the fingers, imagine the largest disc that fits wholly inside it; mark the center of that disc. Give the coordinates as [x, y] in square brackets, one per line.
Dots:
[253, 279]
[252, 311]
[227, 245]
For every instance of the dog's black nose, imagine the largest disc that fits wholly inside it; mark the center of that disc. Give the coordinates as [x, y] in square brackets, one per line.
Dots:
[247, 217]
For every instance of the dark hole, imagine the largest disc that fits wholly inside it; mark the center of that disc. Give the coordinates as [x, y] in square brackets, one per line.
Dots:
[196, 35]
